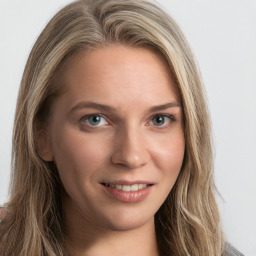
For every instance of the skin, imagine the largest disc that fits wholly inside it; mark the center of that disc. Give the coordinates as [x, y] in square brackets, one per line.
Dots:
[2, 213]
[130, 143]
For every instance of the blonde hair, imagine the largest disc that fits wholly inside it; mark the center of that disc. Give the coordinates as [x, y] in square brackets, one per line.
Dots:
[188, 222]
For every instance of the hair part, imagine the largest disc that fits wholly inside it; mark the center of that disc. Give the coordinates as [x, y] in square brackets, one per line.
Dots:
[188, 222]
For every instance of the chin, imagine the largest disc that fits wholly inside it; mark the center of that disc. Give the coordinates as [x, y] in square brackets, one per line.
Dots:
[129, 221]
[126, 226]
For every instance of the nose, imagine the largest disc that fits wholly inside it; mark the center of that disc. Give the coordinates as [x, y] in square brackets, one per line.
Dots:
[130, 149]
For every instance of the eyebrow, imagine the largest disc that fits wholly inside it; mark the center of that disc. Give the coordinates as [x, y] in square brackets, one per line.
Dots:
[106, 108]
[163, 107]
[101, 107]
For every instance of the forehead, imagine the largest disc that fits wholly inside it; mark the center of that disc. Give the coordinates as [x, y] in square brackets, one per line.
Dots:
[119, 67]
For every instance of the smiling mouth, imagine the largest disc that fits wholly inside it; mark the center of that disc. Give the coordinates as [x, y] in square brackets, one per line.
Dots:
[127, 188]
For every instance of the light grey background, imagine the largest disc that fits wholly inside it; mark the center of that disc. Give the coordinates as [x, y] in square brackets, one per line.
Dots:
[222, 34]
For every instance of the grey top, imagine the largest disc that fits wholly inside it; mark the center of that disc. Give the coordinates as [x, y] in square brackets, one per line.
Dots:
[231, 251]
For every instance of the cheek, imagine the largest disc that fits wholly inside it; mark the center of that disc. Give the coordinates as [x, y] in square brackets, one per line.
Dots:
[168, 154]
[168, 157]
[77, 156]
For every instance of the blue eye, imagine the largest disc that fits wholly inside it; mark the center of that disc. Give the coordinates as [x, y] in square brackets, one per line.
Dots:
[95, 120]
[162, 120]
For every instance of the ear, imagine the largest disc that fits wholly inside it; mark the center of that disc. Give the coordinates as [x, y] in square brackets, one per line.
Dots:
[43, 146]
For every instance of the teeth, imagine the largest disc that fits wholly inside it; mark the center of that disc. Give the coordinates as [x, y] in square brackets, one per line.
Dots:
[126, 188]
[119, 186]
[134, 187]
[141, 186]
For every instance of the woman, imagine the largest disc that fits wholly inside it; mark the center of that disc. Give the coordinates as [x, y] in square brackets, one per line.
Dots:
[112, 149]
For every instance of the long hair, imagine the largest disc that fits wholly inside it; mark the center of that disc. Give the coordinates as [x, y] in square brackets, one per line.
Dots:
[188, 222]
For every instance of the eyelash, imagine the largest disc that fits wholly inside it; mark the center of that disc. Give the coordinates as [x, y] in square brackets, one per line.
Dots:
[171, 118]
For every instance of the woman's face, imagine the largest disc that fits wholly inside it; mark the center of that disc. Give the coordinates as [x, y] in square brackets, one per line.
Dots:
[116, 136]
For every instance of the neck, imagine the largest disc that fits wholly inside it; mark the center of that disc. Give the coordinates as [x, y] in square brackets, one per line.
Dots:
[85, 238]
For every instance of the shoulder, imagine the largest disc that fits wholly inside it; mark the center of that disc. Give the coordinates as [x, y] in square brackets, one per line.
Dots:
[231, 251]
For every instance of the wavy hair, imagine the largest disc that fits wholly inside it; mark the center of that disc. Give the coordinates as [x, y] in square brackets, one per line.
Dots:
[188, 222]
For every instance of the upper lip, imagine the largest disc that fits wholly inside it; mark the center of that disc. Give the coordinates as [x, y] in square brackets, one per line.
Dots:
[127, 182]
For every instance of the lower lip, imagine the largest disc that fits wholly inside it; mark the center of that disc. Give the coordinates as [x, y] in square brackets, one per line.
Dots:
[128, 196]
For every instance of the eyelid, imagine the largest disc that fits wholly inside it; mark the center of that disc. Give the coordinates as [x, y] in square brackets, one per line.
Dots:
[167, 115]
[170, 116]
[92, 115]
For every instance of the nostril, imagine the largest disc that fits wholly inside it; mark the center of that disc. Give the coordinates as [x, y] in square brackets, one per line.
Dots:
[132, 159]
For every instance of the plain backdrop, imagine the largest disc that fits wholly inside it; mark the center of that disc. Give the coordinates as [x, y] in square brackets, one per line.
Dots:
[222, 34]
